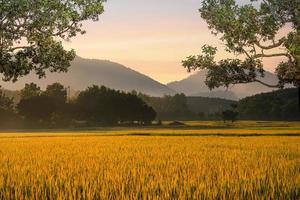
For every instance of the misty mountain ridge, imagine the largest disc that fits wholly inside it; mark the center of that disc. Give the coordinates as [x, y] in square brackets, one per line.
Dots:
[87, 72]
[194, 85]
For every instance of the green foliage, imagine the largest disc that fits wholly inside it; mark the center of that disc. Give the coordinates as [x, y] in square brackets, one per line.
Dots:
[31, 32]
[180, 107]
[169, 107]
[105, 106]
[230, 114]
[7, 114]
[46, 107]
[57, 93]
[36, 108]
[252, 33]
[94, 106]
[279, 105]
[30, 90]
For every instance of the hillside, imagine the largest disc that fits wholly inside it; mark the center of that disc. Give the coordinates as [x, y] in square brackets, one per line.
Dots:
[194, 86]
[87, 72]
[208, 105]
[181, 107]
[278, 105]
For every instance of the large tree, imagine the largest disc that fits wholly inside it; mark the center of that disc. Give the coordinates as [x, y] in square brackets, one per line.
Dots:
[254, 31]
[30, 90]
[31, 34]
[57, 92]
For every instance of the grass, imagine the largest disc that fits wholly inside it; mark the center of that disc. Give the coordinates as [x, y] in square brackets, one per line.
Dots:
[121, 163]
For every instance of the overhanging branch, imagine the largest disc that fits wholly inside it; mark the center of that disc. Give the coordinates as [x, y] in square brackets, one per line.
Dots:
[281, 41]
[262, 55]
[266, 84]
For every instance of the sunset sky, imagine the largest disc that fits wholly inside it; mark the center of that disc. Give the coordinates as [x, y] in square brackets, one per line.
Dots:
[151, 37]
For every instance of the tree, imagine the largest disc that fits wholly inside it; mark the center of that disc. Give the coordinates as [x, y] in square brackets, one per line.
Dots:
[57, 92]
[101, 105]
[48, 107]
[7, 114]
[253, 33]
[230, 114]
[30, 90]
[89, 105]
[36, 108]
[58, 95]
[31, 32]
[148, 115]
[276, 105]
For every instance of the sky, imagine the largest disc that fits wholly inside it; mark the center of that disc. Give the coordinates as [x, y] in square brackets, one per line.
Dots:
[151, 37]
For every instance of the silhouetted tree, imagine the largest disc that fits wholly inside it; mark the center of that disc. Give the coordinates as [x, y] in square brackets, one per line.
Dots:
[106, 106]
[48, 107]
[58, 93]
[36, 108]
[30, 90]
[148, 115]
[231, 114]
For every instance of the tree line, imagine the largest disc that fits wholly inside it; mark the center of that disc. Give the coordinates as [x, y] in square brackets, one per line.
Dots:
[52, 107]
[249, 31]
[277, 105]
[101, 106]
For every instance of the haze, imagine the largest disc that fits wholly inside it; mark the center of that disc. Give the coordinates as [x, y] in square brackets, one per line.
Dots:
[151, 37]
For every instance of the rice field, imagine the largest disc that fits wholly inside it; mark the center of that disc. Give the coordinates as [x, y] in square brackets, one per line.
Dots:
[202, 161]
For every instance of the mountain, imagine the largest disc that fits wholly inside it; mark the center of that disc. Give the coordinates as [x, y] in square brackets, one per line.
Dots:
[194, 86]
[87, 72]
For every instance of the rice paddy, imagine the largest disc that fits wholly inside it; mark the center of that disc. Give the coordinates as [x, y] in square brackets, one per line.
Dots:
[204, 160]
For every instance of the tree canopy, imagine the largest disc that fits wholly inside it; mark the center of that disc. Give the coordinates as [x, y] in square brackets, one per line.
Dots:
[107, 106]
[252, 33]
[30, 90]
[277, 105]
[93, 106]
[31, 34]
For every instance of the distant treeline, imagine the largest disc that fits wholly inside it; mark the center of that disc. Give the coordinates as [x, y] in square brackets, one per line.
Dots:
[276, 105]
[181, 107]
[98, 106]
[94, 106]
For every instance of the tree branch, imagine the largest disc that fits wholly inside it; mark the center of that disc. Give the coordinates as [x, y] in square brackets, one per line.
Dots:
[281, 41]
[65, 30]
[266, 84]
[262, 55]
[21, 47]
